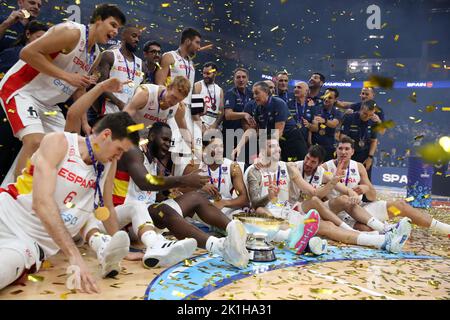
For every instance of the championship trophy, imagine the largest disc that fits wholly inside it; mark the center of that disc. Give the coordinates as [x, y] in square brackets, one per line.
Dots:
[260, 229]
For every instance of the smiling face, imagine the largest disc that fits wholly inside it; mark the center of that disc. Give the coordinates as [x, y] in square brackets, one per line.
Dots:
[209, 75]
[153, 54]
[161, 142]
[315, 82]
[366, 94]
[107, 29]
[131, 37]
[330, 99]
[32, 6]
[310, 164]
[273, 151]
[301, 90]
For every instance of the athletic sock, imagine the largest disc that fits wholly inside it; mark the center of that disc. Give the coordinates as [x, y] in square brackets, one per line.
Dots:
[370, 240]
[98, 241]
[375, 224]
[281, 235]
[214, 245]
[149, 238]
[440, 227]
[347, 227]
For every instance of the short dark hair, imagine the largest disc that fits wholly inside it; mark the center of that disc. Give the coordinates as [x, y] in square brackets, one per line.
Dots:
[157, 127]
[150, 43]
[190, 34]
[210, 64]
[336, 92]
[346, 139]
[322, 77]
[118, 123]
[264, 86]
[33, 26]
[240, 69]
[207, 142]
[106, 10]
[369, 104]
[317, 151]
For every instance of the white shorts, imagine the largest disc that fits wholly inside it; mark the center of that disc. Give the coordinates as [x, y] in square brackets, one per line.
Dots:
[26, 115]
[174, 205]
[377, 209]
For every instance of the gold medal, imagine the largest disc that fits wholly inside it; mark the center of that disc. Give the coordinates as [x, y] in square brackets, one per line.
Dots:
[322, 132]
[131, 84]
[26, 13]
[218, 198]
[101, 213]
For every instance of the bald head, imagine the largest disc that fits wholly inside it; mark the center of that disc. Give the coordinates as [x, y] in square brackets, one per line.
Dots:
[301, 89]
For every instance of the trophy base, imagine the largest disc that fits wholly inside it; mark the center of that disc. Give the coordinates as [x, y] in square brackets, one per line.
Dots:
[262, 255]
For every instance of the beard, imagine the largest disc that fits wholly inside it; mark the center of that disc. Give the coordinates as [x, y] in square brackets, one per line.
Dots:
[130, 47]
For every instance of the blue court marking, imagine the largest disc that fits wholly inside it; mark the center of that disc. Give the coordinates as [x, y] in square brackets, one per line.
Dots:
[208, 273]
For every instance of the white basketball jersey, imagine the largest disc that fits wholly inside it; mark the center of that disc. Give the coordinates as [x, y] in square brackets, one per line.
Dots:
[75, 185]
[124, 70]
[314, 180]
[226, 184]
[183, 67]
[351, 176]
[49, 91]
[281, 178]
[212, 95]
[151, 112]
[136, 194]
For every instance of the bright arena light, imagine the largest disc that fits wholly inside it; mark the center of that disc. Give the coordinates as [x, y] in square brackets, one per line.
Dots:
[445, 143]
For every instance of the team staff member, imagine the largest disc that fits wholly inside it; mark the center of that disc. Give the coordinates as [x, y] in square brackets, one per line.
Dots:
[359, 127]
[235, 100]
[301, 111]
[326, 118]
[152, 56]
[272, 113]
[283, 86]
[12, 26]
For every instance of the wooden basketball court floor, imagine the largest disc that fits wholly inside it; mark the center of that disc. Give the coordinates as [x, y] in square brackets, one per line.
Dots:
[422, 271]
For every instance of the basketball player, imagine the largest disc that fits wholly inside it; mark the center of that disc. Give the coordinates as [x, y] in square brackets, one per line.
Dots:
[54, 200]
[51, 70]
[179, 63]
[271, 184]
[122, 63]
[213, 97]
[226, 188]
[381, 211]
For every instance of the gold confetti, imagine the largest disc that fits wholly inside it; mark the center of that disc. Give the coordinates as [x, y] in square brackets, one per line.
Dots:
[322, 126]
[426, 196]
[11, 111]
[274, 28]
[444, 142]
[445, 109]
[51, 113]
[135, 127]
[26, 14]
[435, 65]
[155, 180]
[143, 142]
[430, 108]
[384, 25]
[165, 5]
[379, 82]
[418, 121]
[397, 36]
[413, 97]
[433, 153]
[419, 137]
[410, 199]
[178, 294]
[161, 214]
[400, 65]
[388, 124]
[187, 263]
[212, 71]
[46, 264]
[158, 65]
[35, 278]
[322, 291]
[70, 205]
[394, 210]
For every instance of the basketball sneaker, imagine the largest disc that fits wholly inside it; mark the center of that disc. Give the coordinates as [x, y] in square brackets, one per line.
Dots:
[167, 253]
[112, 252]
[234, 249]
[396, 238]
[317, 246]
[301, 234]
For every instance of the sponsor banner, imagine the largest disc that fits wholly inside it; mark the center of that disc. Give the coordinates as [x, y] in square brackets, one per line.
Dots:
[390, 177]
[420, 179]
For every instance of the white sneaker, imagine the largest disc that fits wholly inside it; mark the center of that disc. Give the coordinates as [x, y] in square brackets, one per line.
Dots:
[318, 246]
[167, 253]
[234, 249]
[396, 238]
[112, 253]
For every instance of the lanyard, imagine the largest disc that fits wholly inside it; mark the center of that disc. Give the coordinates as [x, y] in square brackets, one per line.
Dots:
[89, 55]
[159, 100]
[210, 96]
[242, 96]
[128, 69]
[266, 115]
[220, 177]
[348, 172]
[278, 176]
[299, 113]
[187, 67]
[98, 168]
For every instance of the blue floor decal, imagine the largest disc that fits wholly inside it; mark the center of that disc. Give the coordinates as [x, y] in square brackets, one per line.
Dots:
[206, 274]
